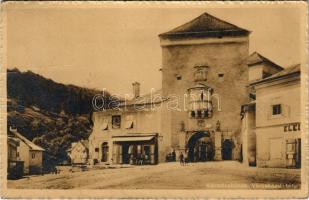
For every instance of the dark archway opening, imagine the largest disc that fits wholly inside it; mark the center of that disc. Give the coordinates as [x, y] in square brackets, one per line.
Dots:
[227, 147]
[200, 147]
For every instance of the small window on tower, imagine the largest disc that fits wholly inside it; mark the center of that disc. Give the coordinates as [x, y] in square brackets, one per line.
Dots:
[221, 77]
[178, 77]
[277, 109]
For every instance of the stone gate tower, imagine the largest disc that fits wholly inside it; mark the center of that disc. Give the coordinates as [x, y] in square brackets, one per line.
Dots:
[204, 69]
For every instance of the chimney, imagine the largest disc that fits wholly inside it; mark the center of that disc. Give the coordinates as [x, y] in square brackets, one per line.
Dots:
[136, 89]
[13, 129]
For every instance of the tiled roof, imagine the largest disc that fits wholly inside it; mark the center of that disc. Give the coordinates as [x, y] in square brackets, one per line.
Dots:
[151, 98]
[205, 25]
[294, 69]
[30, 144]
[256, 58]
[290, 70]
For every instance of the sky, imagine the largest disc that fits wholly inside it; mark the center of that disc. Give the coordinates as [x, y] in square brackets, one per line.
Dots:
[113, 46]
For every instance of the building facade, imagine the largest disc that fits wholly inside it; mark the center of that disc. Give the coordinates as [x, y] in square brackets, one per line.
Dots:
[30, 153]
[278, 130]
[206, 108]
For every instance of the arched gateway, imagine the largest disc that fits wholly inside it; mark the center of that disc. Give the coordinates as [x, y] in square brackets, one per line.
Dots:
[201, 147]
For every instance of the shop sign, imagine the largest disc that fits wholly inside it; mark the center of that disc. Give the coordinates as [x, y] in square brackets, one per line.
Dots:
[292, 127]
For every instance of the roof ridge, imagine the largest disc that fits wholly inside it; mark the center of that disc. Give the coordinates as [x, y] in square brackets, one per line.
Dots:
[26, 141]
[206, 25]
[221, 20]
[265, 59]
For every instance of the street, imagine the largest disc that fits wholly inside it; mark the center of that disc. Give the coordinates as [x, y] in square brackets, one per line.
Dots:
[207, 175]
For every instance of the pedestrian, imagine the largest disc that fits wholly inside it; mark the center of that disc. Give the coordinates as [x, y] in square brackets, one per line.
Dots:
[142, 159]
[181, 159]
[185, 159]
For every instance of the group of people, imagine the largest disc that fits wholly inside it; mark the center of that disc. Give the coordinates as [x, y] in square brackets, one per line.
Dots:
[183, 159]
[140, 159]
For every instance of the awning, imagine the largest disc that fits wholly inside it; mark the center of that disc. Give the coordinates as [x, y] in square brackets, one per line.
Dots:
[132, 139]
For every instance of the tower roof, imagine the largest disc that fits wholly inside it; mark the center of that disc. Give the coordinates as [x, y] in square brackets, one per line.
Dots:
[205, 25]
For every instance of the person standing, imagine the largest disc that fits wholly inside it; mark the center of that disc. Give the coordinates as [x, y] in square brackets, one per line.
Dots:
[181, 158]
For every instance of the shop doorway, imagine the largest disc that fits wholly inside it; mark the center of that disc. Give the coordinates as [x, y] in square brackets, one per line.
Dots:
[200, 147]
[125, 154]
[104, 152]
[227, 147]
[298, 154]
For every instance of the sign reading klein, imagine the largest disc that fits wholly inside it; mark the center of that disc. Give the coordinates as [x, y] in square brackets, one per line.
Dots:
[292, 127]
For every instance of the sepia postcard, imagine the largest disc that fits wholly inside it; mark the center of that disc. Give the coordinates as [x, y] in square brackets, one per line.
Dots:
[169, 100]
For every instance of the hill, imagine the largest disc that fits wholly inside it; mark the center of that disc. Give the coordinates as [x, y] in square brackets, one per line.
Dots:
[50, 114]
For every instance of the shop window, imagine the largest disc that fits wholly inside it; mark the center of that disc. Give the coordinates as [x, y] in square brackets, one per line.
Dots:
[277, 109]
[116, 121]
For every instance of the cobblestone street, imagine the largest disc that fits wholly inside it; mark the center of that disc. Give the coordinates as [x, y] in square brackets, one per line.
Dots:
[209, 175]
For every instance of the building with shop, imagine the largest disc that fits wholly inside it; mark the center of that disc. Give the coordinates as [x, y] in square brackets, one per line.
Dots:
[203, 107]
[276, 120]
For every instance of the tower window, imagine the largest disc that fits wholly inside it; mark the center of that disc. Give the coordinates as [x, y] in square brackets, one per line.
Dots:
[178, 77]
[277, 109]
[221, 77]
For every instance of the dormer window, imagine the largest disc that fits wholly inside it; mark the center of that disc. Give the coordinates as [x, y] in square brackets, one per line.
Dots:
[129, 122]
[104, 126]
[200, 73]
